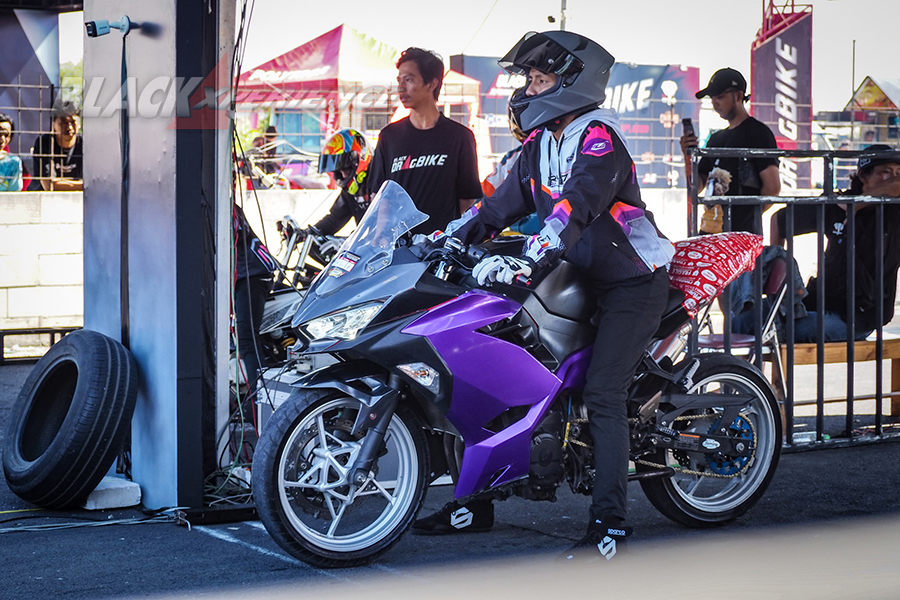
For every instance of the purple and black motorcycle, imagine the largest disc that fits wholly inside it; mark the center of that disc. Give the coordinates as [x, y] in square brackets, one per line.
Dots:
[424, 356]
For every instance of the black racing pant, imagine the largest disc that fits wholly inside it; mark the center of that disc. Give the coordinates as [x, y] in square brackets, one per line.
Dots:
[630, 312]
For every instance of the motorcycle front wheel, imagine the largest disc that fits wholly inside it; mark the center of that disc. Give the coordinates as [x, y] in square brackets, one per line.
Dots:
[302, 488]
[709, 489]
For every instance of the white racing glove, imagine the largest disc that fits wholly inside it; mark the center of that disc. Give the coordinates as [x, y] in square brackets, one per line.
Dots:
[501, 268]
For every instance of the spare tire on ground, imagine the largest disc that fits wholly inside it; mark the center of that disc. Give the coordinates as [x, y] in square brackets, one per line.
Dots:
[70, 420]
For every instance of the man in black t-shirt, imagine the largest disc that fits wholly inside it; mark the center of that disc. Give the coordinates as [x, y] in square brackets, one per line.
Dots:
[748, 177]
[57, 156]
[431, 156]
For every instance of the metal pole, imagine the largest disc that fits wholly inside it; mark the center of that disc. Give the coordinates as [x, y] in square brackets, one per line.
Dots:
[562, 15]
[852, 92]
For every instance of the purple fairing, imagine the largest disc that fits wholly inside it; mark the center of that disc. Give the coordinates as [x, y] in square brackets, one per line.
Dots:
[490, 376]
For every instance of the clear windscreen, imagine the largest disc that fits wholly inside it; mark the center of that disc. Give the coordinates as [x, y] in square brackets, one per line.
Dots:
[371, 246]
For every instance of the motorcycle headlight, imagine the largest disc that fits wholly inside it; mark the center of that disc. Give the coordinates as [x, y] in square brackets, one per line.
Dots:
[343, 325]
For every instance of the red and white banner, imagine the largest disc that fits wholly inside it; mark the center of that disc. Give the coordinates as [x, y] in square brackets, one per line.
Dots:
[704, 265]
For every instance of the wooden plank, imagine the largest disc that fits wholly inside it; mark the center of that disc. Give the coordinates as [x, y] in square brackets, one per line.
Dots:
[836, 352]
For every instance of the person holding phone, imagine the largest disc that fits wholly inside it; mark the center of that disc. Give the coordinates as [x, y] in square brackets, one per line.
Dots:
[734, 176]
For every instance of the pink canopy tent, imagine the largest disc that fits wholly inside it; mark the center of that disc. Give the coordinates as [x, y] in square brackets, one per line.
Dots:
[340, 72]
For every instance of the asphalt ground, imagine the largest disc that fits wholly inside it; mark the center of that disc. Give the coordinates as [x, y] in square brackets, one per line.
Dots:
[827, 527]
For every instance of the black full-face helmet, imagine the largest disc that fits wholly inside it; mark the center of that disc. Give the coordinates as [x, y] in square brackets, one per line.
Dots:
[581, 65]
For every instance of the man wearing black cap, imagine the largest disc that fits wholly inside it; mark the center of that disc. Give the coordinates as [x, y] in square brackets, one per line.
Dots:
[876, 176]
[735, 176]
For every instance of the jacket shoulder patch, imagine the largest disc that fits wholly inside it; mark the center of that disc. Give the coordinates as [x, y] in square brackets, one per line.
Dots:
[597, 142]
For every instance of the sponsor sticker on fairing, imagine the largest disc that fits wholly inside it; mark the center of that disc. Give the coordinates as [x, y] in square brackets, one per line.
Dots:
[343, 264]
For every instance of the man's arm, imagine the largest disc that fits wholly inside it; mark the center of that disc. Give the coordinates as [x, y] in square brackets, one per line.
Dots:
[776, 237]
[689, 141]
[771, 183]
[62, 184]
[465, 204]
[377, 172]
[768, 175]
[467, 181]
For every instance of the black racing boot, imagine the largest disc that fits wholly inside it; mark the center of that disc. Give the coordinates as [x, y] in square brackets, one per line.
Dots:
[605, 539]
[473, 517]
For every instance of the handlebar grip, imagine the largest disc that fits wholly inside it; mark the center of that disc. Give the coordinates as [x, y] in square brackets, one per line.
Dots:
[524, 281]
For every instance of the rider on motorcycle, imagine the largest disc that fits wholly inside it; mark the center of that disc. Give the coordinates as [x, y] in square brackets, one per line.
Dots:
[576, 172]
[346, 155]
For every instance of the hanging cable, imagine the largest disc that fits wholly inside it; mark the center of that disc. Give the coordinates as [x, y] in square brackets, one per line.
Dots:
[477, 31]
[124, 143]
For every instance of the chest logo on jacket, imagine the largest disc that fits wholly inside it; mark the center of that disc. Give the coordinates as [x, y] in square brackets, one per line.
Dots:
[402, 163]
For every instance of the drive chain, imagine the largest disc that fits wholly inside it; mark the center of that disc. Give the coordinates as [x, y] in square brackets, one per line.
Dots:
[679, 469]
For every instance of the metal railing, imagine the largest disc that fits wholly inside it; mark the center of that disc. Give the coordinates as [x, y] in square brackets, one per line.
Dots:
[54, 333]
[29, 106]
[878, 430]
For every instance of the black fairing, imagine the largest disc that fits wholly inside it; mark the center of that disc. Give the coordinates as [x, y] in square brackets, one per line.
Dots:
[404, 273]
[388, 346]
[560, 306]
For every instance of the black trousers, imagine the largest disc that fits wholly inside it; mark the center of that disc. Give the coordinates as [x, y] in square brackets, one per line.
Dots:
[630, 313]
[249, 301]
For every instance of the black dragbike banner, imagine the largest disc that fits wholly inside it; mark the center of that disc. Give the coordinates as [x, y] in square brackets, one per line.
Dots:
[781, 89]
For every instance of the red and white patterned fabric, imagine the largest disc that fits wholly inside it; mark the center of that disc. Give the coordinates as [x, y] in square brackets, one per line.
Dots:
[705, 264]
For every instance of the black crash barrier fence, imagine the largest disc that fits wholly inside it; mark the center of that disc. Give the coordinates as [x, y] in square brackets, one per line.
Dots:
[54, 333]
[853, 433]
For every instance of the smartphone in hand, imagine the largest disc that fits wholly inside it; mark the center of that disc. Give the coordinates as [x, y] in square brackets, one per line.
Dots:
[687, 126]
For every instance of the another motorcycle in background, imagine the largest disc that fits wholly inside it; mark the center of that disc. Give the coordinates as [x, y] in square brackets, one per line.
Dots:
[302, 255]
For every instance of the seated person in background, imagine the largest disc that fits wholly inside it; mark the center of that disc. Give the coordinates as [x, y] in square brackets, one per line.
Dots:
[10, 164]
[58, 156]
[875, 176]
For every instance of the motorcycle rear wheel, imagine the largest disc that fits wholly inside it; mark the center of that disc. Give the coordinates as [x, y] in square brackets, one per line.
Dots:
[300, 481]
[708, 500]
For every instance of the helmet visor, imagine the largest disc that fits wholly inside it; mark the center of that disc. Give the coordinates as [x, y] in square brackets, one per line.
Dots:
[537, 51]
[331, 163]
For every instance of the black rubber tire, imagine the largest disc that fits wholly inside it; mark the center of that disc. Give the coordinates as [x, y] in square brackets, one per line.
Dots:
[664, 493]
[70, 420]
[277, 518]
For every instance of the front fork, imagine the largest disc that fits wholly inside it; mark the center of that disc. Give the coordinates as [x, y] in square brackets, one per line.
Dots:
[374, 418]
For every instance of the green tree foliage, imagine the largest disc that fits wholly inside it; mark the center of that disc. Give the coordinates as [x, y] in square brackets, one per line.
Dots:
[71, 81]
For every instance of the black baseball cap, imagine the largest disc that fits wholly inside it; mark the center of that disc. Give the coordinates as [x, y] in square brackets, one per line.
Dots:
[722, 80]
[868, 162]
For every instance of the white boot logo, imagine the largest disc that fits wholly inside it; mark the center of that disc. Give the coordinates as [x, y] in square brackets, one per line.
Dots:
[607, 547]
[461, 518]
